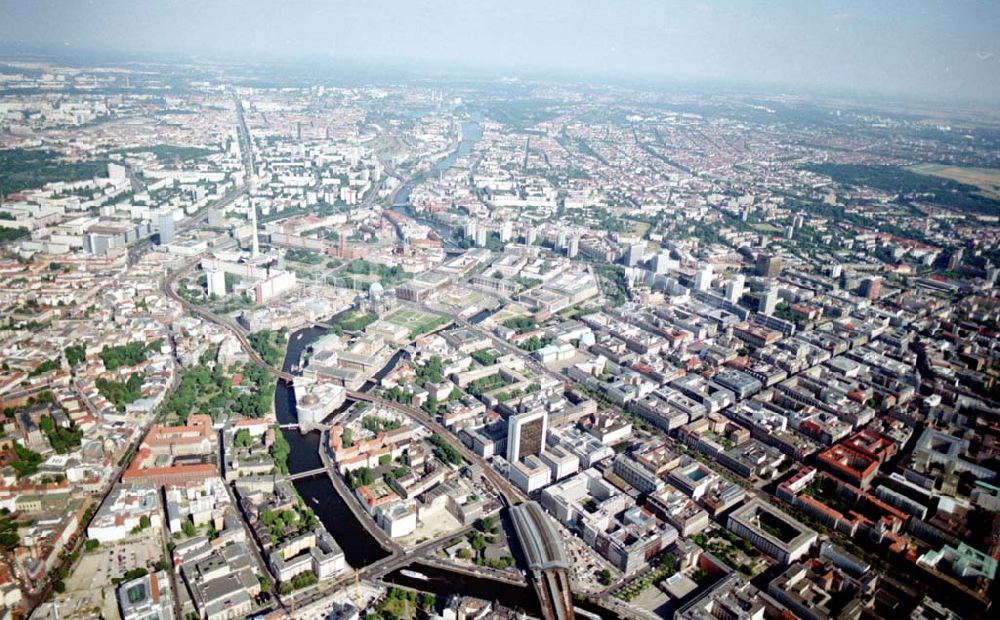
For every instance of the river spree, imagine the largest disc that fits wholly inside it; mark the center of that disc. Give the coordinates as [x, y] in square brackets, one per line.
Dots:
[360, 549]
[471, 133]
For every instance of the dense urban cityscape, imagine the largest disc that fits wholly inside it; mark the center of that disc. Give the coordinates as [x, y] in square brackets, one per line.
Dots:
[279, 347]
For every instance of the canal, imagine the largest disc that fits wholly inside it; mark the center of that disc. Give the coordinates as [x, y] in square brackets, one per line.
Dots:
[360, 549]
[444, 583]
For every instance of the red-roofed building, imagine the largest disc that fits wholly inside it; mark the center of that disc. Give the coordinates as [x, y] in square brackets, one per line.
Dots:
[174, 474]
[872, 445]
[849, 465]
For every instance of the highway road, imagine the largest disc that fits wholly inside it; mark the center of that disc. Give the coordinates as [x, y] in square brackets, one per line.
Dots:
[246, 144]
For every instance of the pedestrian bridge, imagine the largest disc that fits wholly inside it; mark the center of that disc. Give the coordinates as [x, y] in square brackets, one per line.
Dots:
[309, 426]
[307, 474]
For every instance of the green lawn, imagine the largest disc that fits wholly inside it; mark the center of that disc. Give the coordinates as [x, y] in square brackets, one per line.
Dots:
[416, 321]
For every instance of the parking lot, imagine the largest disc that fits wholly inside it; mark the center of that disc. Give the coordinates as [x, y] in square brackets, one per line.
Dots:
[89, 588]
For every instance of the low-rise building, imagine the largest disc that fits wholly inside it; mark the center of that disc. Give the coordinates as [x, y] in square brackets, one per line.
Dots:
[636, 474]
[561, 462]
[731, 598]
[772, 531]
[127, 507]
[397, 519]
[316, 552]
[849, 465]
[530, 474]
[817, 590]
[679, 510]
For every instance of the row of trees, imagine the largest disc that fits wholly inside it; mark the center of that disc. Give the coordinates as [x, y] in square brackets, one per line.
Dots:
[517, 392]
[9, 539]
[243, 438]
[486, 384]
[377, 424]
[399, 603]
[306, 257]
[431, 372]
[45, 367]
[211, 391]
[302, 580]
[170, 152]
[388, 276]
[360, 477]
[486, 357]
[945, 192]
[353, 322]
[199, 384]
[534, 343]
[398, 394]
[280, 451]
[445, 452]
[395, 472]
[12, 234]
[26, 462]
[285, 524]
[521, 324]
[31, 168]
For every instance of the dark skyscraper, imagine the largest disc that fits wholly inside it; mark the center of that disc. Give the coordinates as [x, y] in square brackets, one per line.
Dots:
[768, 265]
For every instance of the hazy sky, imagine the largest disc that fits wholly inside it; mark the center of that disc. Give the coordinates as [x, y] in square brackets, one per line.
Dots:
[947, 48]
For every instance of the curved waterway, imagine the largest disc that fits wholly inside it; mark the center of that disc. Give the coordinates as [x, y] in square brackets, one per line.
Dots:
[444, 582]
[360, 548]
[471, 133]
